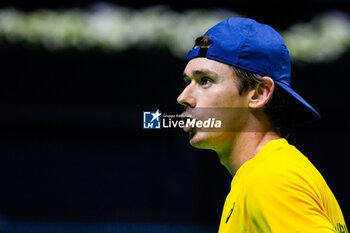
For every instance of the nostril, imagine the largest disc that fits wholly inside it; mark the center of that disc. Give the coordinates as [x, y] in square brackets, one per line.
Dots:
[186, 98]
[181, 100]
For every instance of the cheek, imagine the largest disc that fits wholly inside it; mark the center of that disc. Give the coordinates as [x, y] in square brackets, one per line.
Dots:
[227, 96]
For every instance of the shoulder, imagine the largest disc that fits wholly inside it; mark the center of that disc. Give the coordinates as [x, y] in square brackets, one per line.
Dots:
[284, 171]
[285, 189]
[283, 160]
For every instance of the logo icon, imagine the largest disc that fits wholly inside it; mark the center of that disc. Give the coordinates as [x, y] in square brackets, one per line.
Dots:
[151, 120]
[230, 213]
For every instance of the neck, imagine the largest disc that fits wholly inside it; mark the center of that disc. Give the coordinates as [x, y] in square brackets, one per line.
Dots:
[244, 147]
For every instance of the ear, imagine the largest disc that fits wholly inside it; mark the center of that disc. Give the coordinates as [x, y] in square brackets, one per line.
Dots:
[262, 93]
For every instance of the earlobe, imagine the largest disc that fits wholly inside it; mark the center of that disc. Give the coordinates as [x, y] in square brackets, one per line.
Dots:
[262, 93]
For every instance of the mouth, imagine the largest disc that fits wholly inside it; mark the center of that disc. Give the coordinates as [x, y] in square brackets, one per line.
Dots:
[187, 127]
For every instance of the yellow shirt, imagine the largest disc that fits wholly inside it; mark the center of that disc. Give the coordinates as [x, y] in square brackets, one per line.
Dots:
[279, 190]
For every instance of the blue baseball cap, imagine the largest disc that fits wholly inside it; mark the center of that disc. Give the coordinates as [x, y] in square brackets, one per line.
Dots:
[256, 47]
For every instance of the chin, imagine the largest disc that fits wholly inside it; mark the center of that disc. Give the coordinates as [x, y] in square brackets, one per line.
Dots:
[202, 140]
[216, 141]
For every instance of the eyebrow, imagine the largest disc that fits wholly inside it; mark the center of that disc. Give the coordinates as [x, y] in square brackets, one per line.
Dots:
[201, 72]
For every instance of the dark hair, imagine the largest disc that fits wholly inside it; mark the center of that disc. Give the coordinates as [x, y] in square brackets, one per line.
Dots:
[279, 105]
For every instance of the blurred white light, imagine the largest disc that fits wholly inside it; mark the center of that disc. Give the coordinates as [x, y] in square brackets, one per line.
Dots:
[323, 39]
[113, 28]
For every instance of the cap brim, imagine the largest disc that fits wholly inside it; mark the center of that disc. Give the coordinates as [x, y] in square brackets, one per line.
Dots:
[302, 111]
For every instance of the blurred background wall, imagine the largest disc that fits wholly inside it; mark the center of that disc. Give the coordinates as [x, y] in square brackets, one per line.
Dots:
[76, 78]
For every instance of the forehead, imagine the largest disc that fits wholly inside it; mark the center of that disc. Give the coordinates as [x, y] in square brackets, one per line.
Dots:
[207, 66]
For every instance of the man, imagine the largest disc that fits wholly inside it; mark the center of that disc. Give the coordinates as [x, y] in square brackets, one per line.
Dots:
[244, 65]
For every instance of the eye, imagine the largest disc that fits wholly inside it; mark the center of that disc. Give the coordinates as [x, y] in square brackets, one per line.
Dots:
[205, 81]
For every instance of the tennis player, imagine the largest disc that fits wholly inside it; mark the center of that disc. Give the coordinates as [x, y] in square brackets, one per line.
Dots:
[242, 64]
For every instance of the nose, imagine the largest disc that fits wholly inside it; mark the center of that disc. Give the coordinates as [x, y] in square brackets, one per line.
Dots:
[186, 98]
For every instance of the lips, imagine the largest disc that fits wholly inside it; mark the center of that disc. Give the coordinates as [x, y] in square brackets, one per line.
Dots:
[190, 130]
[187, 127]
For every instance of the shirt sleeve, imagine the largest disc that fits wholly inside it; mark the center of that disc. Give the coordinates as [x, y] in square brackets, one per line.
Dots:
[278, 202]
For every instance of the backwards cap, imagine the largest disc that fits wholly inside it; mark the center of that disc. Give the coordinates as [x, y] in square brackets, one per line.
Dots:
[256, 47]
